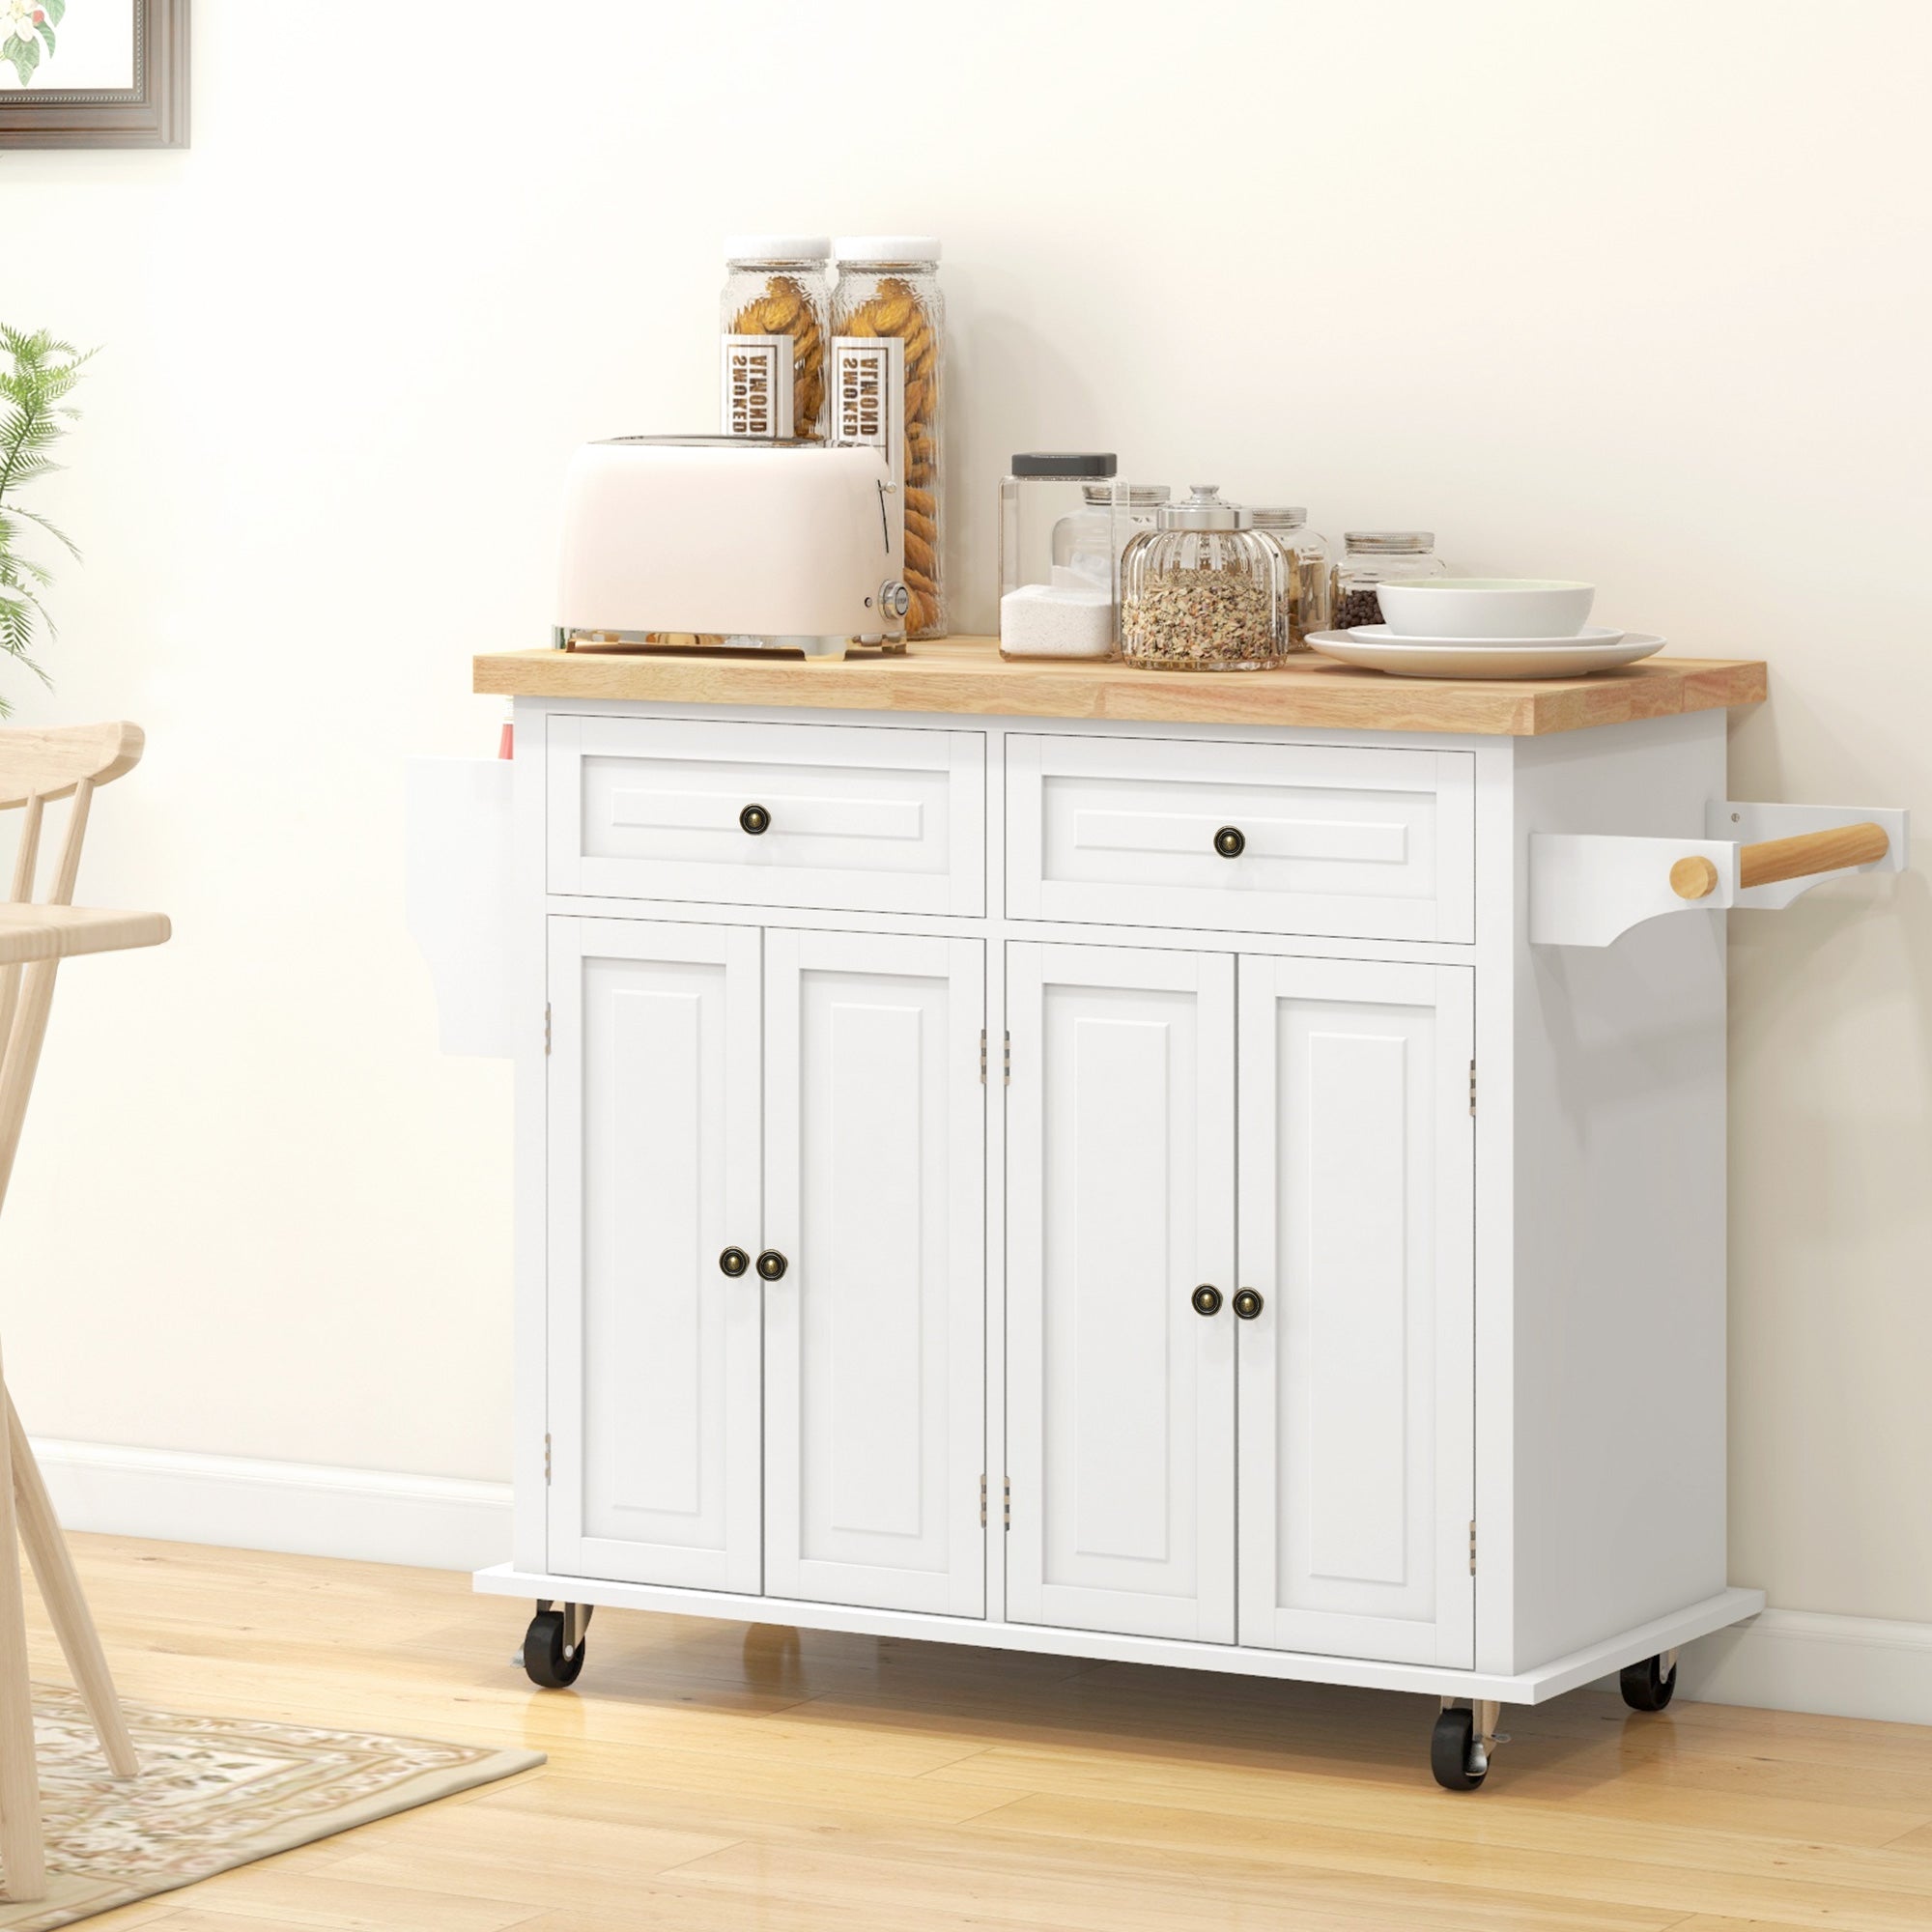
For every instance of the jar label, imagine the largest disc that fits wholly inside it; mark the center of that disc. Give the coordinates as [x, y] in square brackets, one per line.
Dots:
[869, 396]
[755, 386]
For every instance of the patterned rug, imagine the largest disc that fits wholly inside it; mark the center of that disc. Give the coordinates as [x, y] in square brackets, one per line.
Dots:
[213, 1792]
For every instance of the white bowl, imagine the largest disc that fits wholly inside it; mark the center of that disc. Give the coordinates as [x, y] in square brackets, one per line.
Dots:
[1491, 608]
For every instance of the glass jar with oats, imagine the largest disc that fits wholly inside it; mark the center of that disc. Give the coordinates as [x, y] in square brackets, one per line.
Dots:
[888, 286]
[780, 285]
[1305, 569]
[1203, 590]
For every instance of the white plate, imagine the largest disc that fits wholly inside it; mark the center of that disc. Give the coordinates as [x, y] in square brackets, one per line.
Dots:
[1409, 659]
[1590, 634]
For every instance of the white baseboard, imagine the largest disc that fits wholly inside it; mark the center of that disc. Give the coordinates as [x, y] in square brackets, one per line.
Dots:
[1780, 1659]
[1806, 1661]
[304, 1508]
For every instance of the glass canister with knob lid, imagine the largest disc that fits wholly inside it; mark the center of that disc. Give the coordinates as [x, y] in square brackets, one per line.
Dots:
[1201, 591]
[1372, 558]
[1305, 563]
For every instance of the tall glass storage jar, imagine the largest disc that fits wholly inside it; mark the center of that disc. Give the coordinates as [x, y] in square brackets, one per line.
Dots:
[1304, 567]
[1372, 558]
[780, 285]
[1201, 591]
[888, 286]
[1056, 602]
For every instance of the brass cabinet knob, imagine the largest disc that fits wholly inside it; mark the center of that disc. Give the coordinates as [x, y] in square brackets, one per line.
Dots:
[733, 1261]
[772, 1264]
[1207, 1299]
[1231, 842]
[1248, 1304]
[754, 819]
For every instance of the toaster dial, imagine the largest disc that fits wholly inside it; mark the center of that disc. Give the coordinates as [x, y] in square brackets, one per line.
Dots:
[893, 600]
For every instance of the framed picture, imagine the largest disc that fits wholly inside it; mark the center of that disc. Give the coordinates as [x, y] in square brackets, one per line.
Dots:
[94, 73]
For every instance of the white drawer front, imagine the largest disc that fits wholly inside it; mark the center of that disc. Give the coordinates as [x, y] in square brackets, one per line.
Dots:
[860, 820]
[1335, 841]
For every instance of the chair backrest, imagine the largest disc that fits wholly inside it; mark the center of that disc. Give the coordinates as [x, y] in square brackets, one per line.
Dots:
[38, 764]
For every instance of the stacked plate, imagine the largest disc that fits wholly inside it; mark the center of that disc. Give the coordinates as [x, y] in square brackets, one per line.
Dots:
[1485, 626]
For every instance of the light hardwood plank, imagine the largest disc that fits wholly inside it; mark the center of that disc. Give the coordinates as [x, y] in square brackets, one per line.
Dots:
[703, 1776]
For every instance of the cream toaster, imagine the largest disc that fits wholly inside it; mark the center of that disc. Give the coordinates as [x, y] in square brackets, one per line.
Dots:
[732, 541]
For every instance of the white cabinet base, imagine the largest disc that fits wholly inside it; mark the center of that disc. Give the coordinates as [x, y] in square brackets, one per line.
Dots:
[1529, 1686]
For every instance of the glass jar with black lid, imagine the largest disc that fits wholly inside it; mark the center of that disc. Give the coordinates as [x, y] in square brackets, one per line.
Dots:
[1056, 601]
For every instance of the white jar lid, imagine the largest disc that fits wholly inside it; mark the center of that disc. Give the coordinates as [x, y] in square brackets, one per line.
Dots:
[885, 248]
[776, 248]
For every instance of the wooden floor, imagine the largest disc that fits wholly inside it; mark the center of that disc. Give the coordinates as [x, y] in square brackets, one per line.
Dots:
[708, 1776]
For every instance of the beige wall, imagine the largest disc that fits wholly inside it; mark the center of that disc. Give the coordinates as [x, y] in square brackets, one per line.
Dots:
[1634, 292]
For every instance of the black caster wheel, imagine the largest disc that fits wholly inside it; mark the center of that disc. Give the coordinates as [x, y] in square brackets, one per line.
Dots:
[1452, 1751]
[1645, 1686]
[550, 1660]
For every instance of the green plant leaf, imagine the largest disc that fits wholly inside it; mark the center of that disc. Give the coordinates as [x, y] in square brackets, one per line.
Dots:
[44, 28]
[34, 417]
[54, 10]
[24, 54]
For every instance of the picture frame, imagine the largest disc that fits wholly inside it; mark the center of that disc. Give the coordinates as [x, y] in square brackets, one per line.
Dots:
[128, 74]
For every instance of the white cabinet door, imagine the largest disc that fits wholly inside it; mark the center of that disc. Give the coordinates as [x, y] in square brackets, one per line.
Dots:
[1357, 1378]
[875, 1332]
[654, 1169]
[1119, 1202]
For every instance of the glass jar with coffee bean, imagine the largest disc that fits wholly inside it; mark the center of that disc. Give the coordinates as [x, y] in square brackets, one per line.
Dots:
[1372, 558]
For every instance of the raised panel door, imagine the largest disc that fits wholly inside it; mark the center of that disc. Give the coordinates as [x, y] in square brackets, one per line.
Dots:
[1119, 1202]
[654, 1169]
[1356, 1392]
[876, 1333]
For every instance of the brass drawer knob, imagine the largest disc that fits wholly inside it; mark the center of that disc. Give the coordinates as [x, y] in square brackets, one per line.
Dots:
[754, 819]
[1207, 1299]
[772, 1264]
[733, 1261]
[1248, 1304]
[1231, 842]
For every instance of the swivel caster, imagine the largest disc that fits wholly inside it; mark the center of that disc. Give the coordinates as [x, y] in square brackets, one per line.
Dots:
[554, 1646]
[1651, 1685]
[1459, 1746]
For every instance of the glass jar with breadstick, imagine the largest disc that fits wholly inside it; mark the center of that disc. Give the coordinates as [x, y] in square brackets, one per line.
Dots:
[778, 295]
[888, 287]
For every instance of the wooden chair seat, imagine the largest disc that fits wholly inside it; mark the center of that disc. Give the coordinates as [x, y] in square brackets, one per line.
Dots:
[65, 932]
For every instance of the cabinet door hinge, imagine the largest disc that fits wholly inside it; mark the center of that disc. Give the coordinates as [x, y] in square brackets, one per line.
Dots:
[1006, 1057]
[1472, 1545]
[983, 1082]
[546, 1026]
[1009, 1510]
[982, 1502]
[545, 1455]
[1472, 1090]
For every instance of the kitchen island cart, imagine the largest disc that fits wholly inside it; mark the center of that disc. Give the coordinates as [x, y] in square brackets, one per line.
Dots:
[1222, 1172]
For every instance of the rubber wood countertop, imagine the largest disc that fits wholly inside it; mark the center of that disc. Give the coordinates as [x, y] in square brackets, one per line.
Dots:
[968, 675]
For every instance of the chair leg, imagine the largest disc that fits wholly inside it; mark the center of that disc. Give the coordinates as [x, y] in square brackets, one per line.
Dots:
[22, 1853]
[66, 1603]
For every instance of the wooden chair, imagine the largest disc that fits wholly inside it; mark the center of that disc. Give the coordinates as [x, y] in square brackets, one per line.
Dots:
[35, 768]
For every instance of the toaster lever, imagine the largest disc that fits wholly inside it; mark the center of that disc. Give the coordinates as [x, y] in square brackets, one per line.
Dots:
[884, 522]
